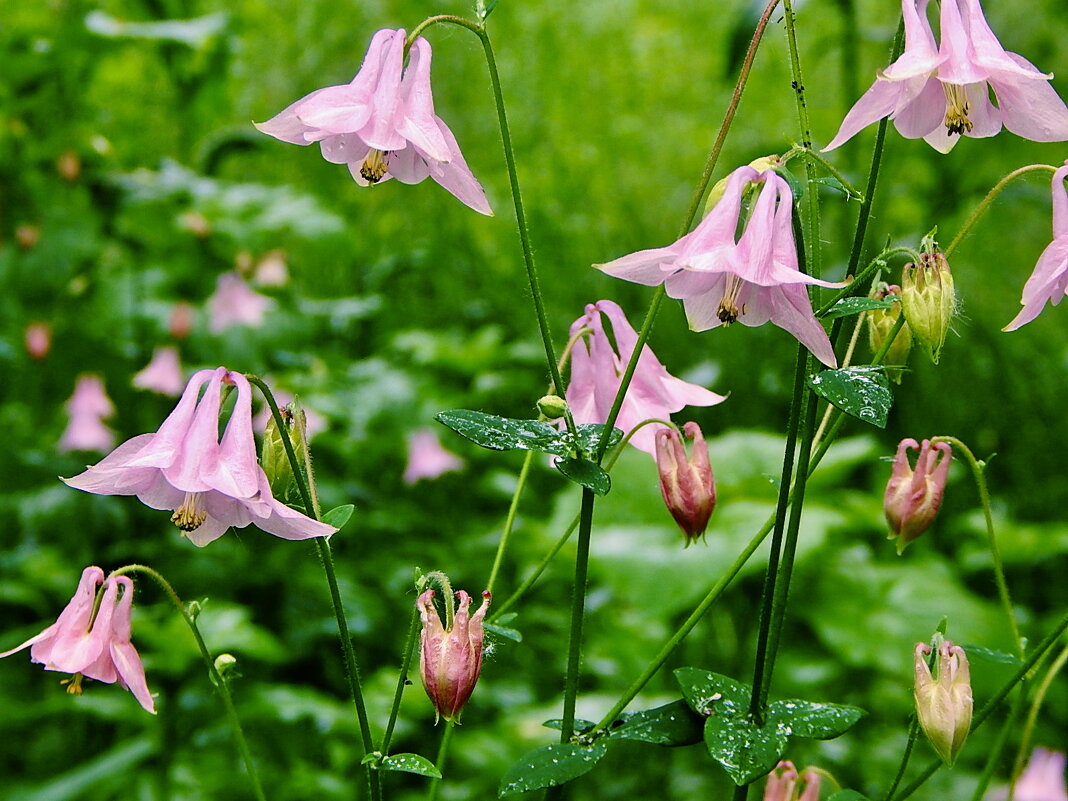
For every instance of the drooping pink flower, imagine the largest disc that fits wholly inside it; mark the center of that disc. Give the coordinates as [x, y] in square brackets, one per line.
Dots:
[1043, 779]
[163, 373]
[1049, 281]
[597, 370]
[382, 124]
[450, 660]
[686, 482]
[236, 303]
[941, 92]
[427, 458]
[211, 484]
[87, 407]
[914, 496]
[752, 279]
[38, 339]
[98, 648]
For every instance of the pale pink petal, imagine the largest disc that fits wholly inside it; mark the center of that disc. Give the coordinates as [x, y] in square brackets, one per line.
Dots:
[1043, 779]
[235, 471]
[941, 139]
[649, 267]
[90, 397]
[208, 531]
[1048, 283]
[76, 648]
[419, 125]
[959, 65]
[235, 303]
[792, 311]
[920, 56]
[345, 149]
[427, 458]
[1031, 109]
[985, 116]
[112, 475]
[408, 166]
[457, 177]
[330, 111]
[289, 524]
[162, 449]
[987, 51]
[199, 449]
[74, 617]
[924, 114]
[380, 131]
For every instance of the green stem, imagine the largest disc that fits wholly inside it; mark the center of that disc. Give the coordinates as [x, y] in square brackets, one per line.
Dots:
[509, 521]
[439, 763]
[402, 680]
[984, 204]
[877, 263]
[578, 608]
[216, 678]
[994, 755]
[809, 152]
[978, 472]
[1032, 715]
[914, 731]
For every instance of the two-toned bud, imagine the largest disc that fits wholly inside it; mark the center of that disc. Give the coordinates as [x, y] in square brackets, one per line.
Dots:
[785, 784]
[450, 657]
[928, 301]
[273, 456]
[686, 482]
[913, 496]
[944, 701]
[880, 323]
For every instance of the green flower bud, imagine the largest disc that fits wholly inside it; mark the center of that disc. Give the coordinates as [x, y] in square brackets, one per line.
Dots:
[928, 301]
[273, 457]
[944, 704]
[552, 407]
[880, 323]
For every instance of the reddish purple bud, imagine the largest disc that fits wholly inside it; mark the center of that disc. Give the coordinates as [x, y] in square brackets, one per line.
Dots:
[686, 483]
[450, 659]
[914, 496]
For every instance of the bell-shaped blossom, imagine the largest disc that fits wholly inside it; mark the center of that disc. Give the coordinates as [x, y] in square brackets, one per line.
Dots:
[751, 279]
[427, 458]
[597, 369]
[450, 659]
[95, 647]
[163, 373]
[943, 703]
[914, 496]
[941, 92]
[88, 407]
[1043, 778]
[1049, 281]
[211, 484]
[686, 482]
[382, 124]
[234, 302]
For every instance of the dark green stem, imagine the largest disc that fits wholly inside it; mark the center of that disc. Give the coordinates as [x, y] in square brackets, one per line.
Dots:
[914, 730]
[578, 608]
[509, 522]
[984, 204]
[994, 755]
[439, 763]
[402, 679]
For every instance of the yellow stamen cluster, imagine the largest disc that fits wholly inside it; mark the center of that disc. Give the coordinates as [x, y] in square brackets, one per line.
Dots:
[74, 684]
[957, 108]
[374, 166]
[189, 516]
[728, 310]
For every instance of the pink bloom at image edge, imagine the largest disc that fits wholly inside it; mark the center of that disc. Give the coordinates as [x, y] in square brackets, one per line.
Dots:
[382, 124]
[1043, 778]
[784, 782]
[163, 373]
[103, 652]
[940, 92]
[914, 496]
[450, 661]
[210, 484]
[234, 302]
[427, 458]
[1049, 281]
[597, 371]
[752, 280]
[87, 407]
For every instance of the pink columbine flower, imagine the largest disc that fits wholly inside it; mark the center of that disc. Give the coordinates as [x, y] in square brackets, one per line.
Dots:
[427, 458]
[914, 496]
[163, 373]
[941, 92]
[211, 484]
[236, 303]
[751, 280]
[597, 369]
[450, 660]
[1049, 281]
[1043, 779]
[686, 482]
[98, 648]
[87, 407]
[382, 124]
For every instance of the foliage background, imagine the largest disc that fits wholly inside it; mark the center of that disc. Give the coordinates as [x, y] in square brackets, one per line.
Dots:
[402, 302]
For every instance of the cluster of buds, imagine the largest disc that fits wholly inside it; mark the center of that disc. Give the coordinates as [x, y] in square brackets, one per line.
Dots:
[881, 322]
[786, 784]
[928, 299]
[943, 702]
[686, 482]
[450, 656]
[913, 496]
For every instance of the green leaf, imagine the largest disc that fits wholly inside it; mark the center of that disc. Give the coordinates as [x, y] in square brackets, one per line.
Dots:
[339, 515]
[589, 436]
[709, 693]
[834, 183]
[673, 724]
[978, 654]
[505, 434]
[581, 726]
[503, 632]
[586, 473]
[818, 721]
[550, 766]
[484, 9]
[862, 392]
[745, 751]
[848, 306]
[409, 763]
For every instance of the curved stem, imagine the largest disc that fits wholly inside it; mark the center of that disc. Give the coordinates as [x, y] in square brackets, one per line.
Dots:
[914, 730]
[439, 763]
[994, 753]
[509, 521]
[984, 204]
[978, 472]
[875, 264]
[213, 672]
[402, 679]
[817, 157]
[1032, 715]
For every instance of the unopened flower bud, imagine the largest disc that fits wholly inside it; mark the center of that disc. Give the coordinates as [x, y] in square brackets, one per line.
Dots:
[686, 483]
[450, 659]
[552, 407]
[880, 323]
[225, 664]
[928, 301]
[273, 458]
[944, 703]
[913, 497]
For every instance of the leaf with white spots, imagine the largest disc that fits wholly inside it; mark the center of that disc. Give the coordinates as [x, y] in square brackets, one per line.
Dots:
[550, 766]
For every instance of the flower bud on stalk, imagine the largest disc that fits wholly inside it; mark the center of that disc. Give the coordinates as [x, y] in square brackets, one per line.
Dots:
[928, 301]
[450, 659]
[686, 483]
[880, 323]
[273, 457]
[552, 406]
[944, 704]
[913, 497]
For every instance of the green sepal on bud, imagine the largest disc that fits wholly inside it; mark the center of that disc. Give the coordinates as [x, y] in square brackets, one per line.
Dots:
[273, 457]
[880, 323]
[928, 299]
[761, 164]
[552, 407]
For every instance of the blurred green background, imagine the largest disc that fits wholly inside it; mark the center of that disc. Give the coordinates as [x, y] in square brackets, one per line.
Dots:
[131, 178]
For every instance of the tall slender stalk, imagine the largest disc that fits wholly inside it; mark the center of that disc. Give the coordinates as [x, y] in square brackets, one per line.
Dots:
[984, 204]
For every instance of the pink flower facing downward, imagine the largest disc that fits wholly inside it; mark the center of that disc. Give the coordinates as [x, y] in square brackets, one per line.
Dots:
[382, 124]
[99, 647]
[450, 660]
[1049, 281]
[236, 303]
[427, 458]
[87, 407]
[1043, 779]
[163, 373]
[941, 92]
[597, 369]
[686, 482]
[750, 280]
[210, 484]
[913, 497]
